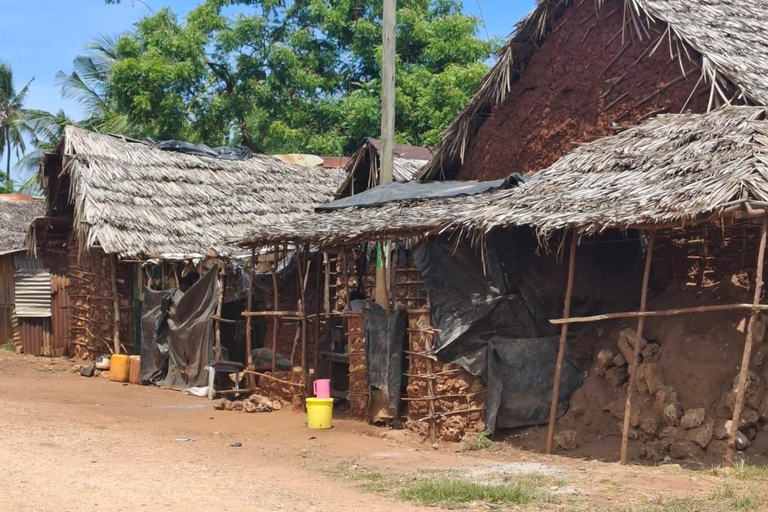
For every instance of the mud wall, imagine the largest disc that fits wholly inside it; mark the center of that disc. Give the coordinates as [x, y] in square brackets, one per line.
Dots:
[585, 78]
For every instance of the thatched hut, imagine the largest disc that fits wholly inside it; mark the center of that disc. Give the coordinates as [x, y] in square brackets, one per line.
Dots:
[25, 282]
[363, 167]
[688, 191]
[122, 213]
[574, 71]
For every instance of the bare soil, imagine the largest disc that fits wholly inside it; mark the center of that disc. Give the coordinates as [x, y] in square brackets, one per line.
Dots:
[73, 443]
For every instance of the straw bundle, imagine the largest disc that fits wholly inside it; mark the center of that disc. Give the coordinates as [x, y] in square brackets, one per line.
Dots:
[137, 201]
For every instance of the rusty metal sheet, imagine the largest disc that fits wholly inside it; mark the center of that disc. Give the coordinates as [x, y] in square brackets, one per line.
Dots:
[35, 336]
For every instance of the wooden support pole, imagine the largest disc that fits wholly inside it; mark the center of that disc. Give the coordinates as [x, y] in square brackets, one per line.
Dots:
[275, 306]
[316, 330]
[249, 324]
[115, 305]
[303, 293]
[561, 349]
[741, 390]
[345, 275]
[633, 364]
[219, 306]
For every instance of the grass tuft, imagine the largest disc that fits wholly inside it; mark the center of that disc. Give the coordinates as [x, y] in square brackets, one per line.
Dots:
[455, 492]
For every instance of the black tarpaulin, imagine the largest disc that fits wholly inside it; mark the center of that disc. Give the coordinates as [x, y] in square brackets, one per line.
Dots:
[386, 335]
[415, 190]
[190, 333]
[491, 335]
[221, 152]
[154, 335]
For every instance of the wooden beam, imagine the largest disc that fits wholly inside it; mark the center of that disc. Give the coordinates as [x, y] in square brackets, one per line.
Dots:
[219, 306]
[115, 305]
[248, 322]
[563, 338]
[275, 305]
[633, 364]
[664, 312]
[741, 390]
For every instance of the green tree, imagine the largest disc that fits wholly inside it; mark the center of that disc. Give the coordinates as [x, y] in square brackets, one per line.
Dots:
[12, 122]
[301, 76]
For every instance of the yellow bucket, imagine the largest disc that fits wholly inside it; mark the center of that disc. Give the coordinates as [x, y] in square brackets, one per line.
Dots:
[319, 412]
[119, 368]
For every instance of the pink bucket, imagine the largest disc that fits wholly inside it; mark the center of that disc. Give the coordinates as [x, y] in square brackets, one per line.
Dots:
[322, 388]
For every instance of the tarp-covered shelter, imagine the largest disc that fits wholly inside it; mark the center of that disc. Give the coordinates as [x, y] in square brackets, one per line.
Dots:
[123, 214]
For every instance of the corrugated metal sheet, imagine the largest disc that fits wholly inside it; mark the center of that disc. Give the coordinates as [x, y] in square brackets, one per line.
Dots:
[6, 298]
[35, 336]
[32, 291]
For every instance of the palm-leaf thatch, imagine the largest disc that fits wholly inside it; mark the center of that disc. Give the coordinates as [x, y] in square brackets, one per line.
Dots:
[134, 200]
[16, 214]
[669, 170]
[729, 36]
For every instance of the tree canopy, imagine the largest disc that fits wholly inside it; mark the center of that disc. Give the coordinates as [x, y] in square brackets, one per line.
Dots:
[300, 76]
[12, 122]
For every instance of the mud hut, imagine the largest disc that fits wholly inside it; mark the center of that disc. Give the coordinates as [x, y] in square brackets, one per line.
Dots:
[123, 213]
[25, 282]
[577, 70]
[685, 192]
[363, 166]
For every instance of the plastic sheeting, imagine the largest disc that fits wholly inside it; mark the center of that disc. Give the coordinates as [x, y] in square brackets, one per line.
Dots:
[221, 152]
[190, 333]
[414, 190]
[491, 335]
[386, 335]
[154, 335]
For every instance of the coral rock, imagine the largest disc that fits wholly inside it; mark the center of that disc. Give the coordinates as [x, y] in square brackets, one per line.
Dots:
[604, 358]
[693, 418]
[566, 440]
[672, 413]
[616, 376]
[680, 450]
[701, 435]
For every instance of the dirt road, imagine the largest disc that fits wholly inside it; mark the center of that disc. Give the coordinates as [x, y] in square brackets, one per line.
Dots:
[73, 443]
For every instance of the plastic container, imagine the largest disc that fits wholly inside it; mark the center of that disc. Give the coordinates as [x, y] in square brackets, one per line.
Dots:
[321, 388]
[119, 368]
[319, 413]
[134, 376]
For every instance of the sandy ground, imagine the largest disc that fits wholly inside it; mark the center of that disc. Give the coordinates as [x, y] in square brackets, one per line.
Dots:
[73, 443]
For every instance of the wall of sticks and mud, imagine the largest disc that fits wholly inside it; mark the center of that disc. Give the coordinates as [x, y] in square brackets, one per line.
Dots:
[688, 366]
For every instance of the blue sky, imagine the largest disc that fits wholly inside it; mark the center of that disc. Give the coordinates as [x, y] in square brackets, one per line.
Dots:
[40, 37]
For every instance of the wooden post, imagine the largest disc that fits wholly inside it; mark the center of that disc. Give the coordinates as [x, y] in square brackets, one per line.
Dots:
[345, 275]
[303, 312]
[248, 324]
[219, 306]
[387, 91]
[563, 337]
[327, 288]
[741, 390]
[633, 364]
[275, 307]
[115, 305]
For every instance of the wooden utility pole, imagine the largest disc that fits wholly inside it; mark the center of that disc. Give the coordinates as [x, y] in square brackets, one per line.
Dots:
[387, 92]
[387, 135]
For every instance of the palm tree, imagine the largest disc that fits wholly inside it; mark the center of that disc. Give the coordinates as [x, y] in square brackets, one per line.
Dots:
[12, 122]
[45, 131]
[88, 84]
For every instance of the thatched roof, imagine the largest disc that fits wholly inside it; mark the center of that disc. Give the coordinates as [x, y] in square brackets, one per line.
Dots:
[16, 214]
[134, 200]
[363, 166]
[671, 169]
[730, 36]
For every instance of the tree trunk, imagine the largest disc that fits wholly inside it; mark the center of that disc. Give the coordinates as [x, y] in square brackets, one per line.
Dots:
[7, 185]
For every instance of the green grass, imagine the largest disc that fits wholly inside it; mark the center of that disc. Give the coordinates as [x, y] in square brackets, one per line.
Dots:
[455, 492]
[6, 347]
[747, 472]
[482, 441]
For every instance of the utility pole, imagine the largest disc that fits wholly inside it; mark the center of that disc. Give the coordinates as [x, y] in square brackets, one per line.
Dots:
[387, 92]
[387, 136]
